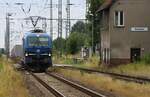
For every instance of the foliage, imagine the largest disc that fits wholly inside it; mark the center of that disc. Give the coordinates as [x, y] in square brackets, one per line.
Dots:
[146, 59]
[11, 82]
[79, 27]
[135, 69]
[94, 19]
[59, 44]
[102, 82]
[72, 44]
[94, 5]
[1, 67]
[76, 41]
[1, 51]
[81, 32]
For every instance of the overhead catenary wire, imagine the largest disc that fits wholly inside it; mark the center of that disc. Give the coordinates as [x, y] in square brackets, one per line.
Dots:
[26, 12]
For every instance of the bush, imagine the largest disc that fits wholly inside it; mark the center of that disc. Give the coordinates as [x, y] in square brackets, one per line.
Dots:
[76, 41]
[59, 44]
[0, 54]
[146, 59]
[1, 67]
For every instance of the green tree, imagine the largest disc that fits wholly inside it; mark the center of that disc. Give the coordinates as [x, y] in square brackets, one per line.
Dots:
[79, 26]
[94, 5]
[94, 19]
[76, 41]
[59, 44]
[2, 51]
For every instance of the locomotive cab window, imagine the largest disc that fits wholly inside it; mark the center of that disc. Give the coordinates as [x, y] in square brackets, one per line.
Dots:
[38, 41]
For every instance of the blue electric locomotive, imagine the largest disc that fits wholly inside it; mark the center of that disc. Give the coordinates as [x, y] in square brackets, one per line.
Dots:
[37, 48]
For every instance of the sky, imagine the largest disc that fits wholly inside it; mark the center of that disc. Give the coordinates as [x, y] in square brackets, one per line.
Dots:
[39, 8]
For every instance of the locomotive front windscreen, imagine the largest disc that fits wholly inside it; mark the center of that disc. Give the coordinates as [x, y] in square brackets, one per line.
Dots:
[38, 41]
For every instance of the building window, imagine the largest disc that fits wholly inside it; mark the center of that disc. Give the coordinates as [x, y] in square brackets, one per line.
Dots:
[119, 18]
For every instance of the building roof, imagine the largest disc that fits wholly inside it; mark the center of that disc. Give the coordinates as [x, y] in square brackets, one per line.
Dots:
[105, 5]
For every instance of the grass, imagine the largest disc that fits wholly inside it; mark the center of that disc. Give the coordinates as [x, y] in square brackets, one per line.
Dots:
[1, 67]
[62, 60]
[91, 62]
[69, 59]
[11, 82]
[101, 82]
[136, 69]
[118, 87]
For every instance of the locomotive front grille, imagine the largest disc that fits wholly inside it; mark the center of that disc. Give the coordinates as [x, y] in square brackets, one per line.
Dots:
[38, 59]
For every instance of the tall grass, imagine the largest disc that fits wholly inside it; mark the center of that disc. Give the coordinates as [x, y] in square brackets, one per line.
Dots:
[108, 84]
[137, 69]
[146, 59]
[63, 60]
[92, 62]
[141, 68]
[11, 82]
[1, 67]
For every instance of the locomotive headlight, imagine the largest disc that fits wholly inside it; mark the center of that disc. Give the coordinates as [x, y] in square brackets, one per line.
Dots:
[26, 54]
[49, 54]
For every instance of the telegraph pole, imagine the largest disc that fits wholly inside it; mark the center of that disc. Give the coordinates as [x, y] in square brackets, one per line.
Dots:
[60, 18]
[60, 25]
[51, 18]
[7, 40]
[68, 18]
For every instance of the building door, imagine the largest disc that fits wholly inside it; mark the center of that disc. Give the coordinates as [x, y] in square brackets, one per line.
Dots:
[135, 54]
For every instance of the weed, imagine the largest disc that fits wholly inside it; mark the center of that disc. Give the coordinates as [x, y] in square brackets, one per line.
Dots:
[141, 68]
[106, 83]
[1, 67]
[11, 82]
[137, 69]
[146, 59]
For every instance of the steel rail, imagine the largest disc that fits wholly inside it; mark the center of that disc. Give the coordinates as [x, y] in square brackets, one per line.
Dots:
[116, 75]
[77, 86]
[51, 89]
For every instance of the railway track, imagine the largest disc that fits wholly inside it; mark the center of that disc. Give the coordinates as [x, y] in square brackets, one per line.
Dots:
[140, 80]
[48, 87]
[58, 86]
